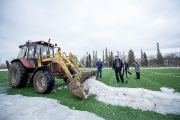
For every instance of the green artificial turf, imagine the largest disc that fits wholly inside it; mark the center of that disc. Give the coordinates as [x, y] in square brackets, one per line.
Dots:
[152, 79]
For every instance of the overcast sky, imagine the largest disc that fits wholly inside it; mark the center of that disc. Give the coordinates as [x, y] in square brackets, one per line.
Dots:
[81, 26]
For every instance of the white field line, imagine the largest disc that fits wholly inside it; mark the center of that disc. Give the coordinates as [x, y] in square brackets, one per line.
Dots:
[167, 74]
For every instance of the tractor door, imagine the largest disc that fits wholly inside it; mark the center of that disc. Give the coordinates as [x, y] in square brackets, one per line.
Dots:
[23, 52]
[31, 55]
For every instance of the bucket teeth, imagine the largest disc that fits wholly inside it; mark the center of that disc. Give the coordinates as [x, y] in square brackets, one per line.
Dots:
[75, 87]
[81, 93]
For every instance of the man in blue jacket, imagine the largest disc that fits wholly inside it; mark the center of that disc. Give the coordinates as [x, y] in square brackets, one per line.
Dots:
[99, 66]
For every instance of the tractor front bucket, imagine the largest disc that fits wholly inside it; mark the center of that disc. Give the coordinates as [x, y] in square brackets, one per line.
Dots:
[86, 75]
[75, 86]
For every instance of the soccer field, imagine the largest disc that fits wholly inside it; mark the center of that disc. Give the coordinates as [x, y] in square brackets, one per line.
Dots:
[151, 79]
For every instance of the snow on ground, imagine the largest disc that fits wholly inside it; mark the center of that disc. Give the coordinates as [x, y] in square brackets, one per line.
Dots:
[62, 87]
[18, 107]
[166, 90]
[3, 69]
[166, 74]
[165, 102]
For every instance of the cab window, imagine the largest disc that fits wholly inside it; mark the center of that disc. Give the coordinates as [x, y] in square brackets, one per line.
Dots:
[23, 52]
[44, 50]
[31, 51]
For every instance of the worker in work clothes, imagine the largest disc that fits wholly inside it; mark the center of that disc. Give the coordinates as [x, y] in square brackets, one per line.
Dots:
[99, 66]
[137, 69]
[117, 67]
[126, 67]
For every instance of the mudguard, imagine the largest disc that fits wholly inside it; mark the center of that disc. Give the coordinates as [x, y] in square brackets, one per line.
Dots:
[37, 69]
[25, 62]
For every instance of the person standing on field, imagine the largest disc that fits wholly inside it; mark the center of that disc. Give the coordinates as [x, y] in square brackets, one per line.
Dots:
[117, 67]
[126, 66]
[99, 66]
[137, 69]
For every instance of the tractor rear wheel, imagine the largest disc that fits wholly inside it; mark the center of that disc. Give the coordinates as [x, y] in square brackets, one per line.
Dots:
[18, 76]
[43, 81]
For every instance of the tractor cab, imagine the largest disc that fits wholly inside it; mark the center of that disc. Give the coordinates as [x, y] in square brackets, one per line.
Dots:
[32, 50]
[35, 49]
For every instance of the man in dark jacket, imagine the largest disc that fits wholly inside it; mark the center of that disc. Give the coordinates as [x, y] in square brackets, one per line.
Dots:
[126, 66]
[117, 67]
[137, 69]
[99, 66]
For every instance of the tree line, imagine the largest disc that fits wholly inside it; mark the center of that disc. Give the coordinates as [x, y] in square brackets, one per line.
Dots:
[167, 60]
[158, 60]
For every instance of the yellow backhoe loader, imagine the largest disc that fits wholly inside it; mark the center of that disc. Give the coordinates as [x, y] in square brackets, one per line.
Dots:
[38, 63]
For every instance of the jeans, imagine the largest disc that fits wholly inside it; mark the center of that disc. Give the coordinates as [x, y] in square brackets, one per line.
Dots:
[118, 73]
[137, 75]
[99, 71]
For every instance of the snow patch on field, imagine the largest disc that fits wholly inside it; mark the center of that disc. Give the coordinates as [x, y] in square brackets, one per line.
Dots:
[62, 87]
[18, 107]
[165, 102]
[3, 69]
[166, 90]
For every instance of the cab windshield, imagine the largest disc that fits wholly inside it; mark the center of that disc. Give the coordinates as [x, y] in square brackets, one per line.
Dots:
[44, 50]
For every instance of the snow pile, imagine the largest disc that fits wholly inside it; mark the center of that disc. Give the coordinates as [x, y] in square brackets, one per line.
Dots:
[166, 90]
[137, 98]
[18, 107]
[3, 69]
[62, 87]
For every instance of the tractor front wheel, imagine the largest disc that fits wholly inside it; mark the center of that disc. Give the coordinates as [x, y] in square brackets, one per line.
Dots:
[43, 81]
[18, 77]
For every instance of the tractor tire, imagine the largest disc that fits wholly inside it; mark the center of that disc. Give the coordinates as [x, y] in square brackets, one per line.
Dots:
[43, 81]
[18, 75]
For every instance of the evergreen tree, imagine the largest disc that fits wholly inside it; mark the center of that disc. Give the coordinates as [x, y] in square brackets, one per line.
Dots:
[106, 57]
[160, 60]
[145, 60]
[142, 58]
[89, 60]
[96, 58]
[131, 57]
[111, 56]
[93, 59]
[103, 57]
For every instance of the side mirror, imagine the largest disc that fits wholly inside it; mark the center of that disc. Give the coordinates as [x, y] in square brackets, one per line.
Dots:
[27, 43]
[55, 44]
[20, 46]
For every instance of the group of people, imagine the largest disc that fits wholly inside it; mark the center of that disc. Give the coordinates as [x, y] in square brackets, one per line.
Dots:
[119, 68]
